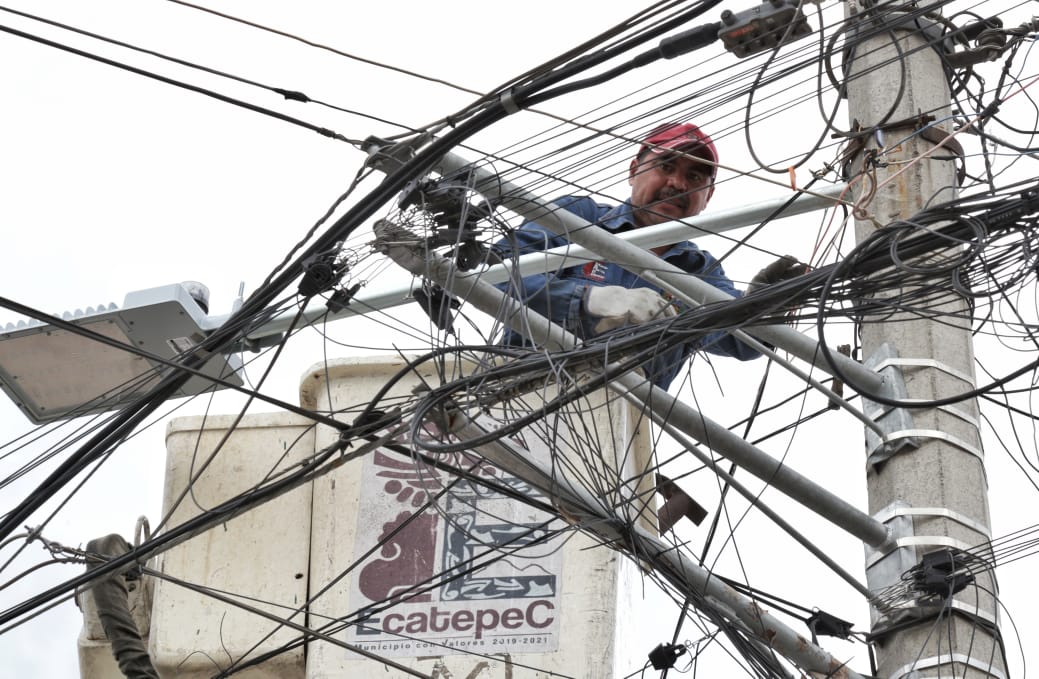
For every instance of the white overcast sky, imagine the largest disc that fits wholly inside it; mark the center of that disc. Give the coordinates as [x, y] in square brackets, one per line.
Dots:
[111, 183]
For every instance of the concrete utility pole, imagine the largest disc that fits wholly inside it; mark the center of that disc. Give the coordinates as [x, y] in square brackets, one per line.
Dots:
[932, 495]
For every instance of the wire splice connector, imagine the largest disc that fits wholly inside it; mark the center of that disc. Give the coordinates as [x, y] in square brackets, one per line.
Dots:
[762, 28]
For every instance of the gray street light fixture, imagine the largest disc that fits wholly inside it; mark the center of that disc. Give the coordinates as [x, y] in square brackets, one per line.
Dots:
[54, 373]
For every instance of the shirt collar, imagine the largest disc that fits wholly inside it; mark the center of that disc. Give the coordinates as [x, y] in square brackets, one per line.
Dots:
[618, 218]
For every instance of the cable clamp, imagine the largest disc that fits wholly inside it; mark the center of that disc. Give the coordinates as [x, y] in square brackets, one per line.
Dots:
[923, 125]
[664, 655]
[909, 543]
[34, 534]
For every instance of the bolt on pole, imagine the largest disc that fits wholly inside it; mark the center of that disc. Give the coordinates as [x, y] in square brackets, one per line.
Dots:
[934, 495]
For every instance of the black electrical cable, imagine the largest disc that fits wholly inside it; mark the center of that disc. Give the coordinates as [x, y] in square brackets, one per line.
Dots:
[546, 76]
[342, 227]
[131, 416]
[750, 102]
[693, 39]
[288, 94]
[959, 230]
[214, 594]
[328, 48]
[323, 131]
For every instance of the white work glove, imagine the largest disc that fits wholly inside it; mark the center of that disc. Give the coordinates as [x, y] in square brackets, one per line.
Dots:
[784, 268]
[617, 306]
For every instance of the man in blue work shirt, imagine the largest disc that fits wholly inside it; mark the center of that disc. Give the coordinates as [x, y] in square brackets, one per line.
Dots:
[669, 181]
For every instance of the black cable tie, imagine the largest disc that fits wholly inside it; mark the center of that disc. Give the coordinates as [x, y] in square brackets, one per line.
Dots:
[438, 305]
[292, 95]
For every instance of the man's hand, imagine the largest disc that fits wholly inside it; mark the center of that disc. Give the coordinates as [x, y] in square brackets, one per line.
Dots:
[618, 306]
[784, 268]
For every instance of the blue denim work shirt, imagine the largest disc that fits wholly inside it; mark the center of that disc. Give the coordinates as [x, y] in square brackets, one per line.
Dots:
[559, 295]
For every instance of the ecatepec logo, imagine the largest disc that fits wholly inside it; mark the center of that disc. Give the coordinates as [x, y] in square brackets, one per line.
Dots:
[408, 554]
[460, 566]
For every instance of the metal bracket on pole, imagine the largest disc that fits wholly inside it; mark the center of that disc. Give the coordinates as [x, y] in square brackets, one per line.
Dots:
[897, 423]
[894, 602]
[886, 564]
[893, 421]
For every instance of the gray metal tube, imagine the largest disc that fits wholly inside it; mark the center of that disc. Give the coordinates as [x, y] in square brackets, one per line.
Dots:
[752, 498]
[760, 464]
[388, 296]
[635, 259]
[490, 300]
[686, 575]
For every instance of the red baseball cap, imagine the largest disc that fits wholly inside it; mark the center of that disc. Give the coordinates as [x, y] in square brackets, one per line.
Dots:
[680, 137]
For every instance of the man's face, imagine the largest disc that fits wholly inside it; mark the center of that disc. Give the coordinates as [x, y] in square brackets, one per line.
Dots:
[668, 186]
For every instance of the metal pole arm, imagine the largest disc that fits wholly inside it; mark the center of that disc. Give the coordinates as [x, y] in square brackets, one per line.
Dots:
[392, 240]
[638, 261]
[695, 582]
